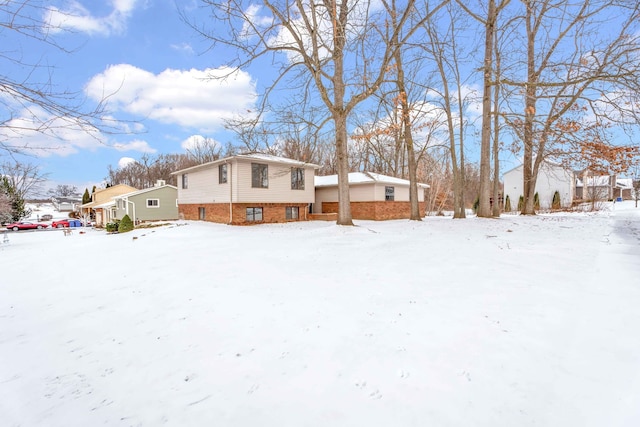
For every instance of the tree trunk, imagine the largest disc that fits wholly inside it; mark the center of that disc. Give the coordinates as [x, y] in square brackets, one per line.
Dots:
[408, 138]
[496, 209]
[484, 208]
[529, 183]
[342, 155]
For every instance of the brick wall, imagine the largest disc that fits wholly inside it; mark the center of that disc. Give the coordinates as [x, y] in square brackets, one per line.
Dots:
[219, 212]
[376, 210]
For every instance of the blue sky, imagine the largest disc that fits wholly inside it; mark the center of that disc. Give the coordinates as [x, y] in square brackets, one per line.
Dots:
[153, 68]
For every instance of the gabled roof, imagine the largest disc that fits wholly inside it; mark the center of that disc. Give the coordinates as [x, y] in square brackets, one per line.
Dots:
[594, 181]
[144, 190]
[249, 157]
[356, 178]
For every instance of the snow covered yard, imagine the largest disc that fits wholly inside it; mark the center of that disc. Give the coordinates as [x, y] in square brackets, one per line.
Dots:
[511, 322]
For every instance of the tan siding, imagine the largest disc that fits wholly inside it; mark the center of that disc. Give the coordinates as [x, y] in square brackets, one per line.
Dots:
[203, 187]
[279, 190]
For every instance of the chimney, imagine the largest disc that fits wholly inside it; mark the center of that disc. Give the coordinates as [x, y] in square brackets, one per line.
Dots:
[160, 183]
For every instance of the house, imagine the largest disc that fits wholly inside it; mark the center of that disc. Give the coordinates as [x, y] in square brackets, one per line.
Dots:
[102, 205]
[603, 187]
[66, 204]
[373, 196]
[551, 178]
[157, 203]
[246, 189]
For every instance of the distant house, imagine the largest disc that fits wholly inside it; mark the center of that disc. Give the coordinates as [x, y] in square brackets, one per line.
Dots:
[246, 189]
[373, 196]
[603, 187]
[157, 203]
[551, 178]
[102, 205]
[66, 204]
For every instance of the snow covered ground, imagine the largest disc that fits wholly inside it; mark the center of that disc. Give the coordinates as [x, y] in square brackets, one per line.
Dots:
[511, 322]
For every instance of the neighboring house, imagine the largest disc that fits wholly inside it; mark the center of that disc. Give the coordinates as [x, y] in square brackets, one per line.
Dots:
[623, 189]
[246, 189]
[603, 187]
[66, 204]
[102, 205]
[373, 196]
[157, 203]
[551, 178]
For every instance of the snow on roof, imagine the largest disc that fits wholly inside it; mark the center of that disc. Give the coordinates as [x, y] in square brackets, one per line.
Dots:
[624, 183]
[144, 190]
[250, 156]
[356, 178]
[594, 181]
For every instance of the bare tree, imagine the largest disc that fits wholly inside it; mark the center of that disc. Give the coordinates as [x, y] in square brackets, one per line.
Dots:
[64, 190]
[636, 187]
[32, 89]
[572, 65]
[446, 53]
[338, 49]
[25, 178]
[489, 20]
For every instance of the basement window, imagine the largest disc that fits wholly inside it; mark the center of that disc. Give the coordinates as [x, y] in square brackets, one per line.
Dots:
[254, 214]
[292, 212]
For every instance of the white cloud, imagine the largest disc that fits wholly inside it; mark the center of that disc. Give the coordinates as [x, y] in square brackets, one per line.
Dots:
[76, 17]
[36, 132]
[125, 161]
[185, 48]
[200, 99]
[135, 145]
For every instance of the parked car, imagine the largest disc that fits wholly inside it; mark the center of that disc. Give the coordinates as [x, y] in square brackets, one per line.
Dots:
[63, 223]
[25, 225]
[60, 223]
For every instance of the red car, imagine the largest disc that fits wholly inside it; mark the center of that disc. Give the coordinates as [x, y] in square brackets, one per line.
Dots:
[24, 225]
[61, 223]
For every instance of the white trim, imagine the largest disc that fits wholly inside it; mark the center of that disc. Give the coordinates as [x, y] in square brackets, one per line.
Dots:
[156, 206]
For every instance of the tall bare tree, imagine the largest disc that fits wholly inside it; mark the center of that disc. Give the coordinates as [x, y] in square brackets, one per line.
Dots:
[446, 53]
[572, 64]
[338, 49]
[26, 179]
[489, 20]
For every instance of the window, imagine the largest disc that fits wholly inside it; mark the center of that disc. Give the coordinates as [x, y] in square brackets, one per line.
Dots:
[259, 175]
[292, 212]
[388, 193]
[254, 214]
[153, 203]
[222, 174]
[201, 214]
[184, 180]
[297, 178]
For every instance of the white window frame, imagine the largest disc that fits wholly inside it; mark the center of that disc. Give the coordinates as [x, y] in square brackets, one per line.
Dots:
[152, 206]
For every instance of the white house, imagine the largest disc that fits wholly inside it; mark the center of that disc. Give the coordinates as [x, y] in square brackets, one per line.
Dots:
[246, 189]
[551, 178]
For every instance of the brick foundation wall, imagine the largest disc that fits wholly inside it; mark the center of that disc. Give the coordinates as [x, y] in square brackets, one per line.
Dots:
[219, 212]
[377, 210]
